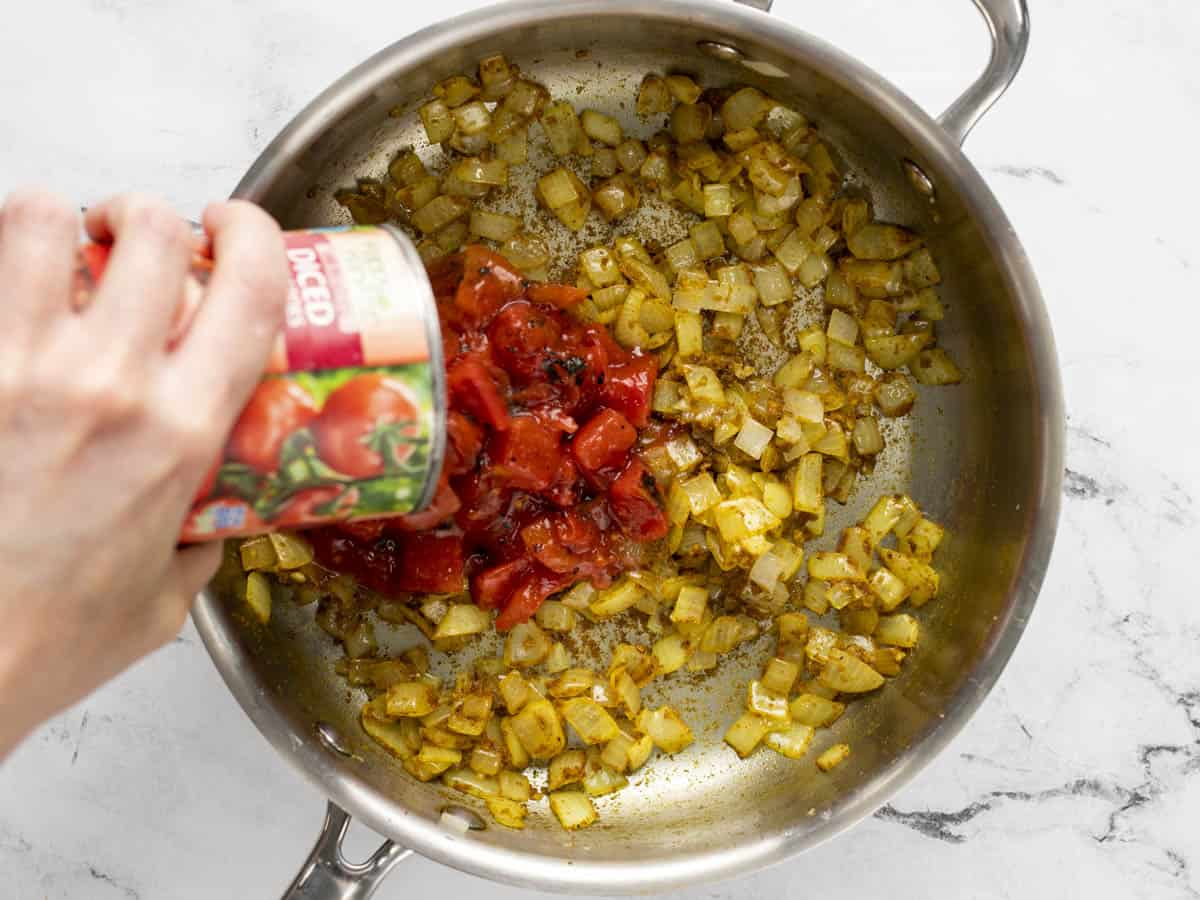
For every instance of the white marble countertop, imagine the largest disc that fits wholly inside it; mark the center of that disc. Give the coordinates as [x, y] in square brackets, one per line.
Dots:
[1080, 776]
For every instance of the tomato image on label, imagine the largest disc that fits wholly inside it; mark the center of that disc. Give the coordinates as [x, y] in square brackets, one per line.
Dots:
[316, 503]
[277, 409]
[367, 426]
[343, 424]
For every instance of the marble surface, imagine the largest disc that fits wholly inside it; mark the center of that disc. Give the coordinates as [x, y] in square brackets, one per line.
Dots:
[1080, 776]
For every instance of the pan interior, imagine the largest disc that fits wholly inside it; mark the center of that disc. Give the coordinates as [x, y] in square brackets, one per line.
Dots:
[969, 455]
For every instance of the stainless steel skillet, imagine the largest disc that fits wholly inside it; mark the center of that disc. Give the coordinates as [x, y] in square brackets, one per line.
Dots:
[985, 458]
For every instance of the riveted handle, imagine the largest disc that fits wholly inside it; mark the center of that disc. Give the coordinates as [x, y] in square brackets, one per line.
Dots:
[327, 875]
[1008, 24]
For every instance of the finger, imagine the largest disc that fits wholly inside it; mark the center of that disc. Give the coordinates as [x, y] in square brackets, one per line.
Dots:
[191, 569]
[143, 284]
[100, 230]
[226, 348]
[39, 233]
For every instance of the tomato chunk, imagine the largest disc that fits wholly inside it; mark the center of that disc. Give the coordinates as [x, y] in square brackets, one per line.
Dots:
[522, 336]
[464, 443]
[633, 505]
[530, 594]
[485, 501]
[567, 488]
[562, 296]
[445, 275]
[445, 504]
[488, 282]
[541, 487]
[527, 454]
[629, 388]
[603, 442]
[473, 388]
[372, 562]
[364, 530]
[567, 543]
[431, 563]
[492, 587]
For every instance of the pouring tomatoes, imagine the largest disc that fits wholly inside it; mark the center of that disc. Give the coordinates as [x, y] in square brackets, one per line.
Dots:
[543, 486]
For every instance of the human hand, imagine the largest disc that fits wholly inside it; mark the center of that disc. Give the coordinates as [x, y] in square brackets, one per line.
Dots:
[107, 429]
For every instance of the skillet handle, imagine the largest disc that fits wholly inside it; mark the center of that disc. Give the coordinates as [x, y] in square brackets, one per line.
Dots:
[1008, 25]
[327, 875]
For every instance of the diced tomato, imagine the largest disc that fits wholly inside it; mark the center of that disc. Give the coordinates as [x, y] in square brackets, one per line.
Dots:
[445, 274]
[372, 562]
[445, 504]
[365, 529]
[451, 346]
[603, 442]
[566, 489]
[483, 500]
[492, 587]
[629, 388]
[593, 347]
[464, 443]
[539, 488]
[562, 296]
[530, 594]
[633, 505]
[565, 542]
[473, 389]
[527, 454]
[431, 563]
[522, 336]
[488, 282]
[557, 419]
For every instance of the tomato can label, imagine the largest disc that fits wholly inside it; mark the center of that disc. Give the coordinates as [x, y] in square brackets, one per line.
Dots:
[348, 422]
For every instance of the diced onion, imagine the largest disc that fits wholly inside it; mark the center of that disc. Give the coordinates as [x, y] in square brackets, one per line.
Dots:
[654, 97]
[833, 757]
[573, 809]
[537, 728]
[631, 155]
[616, 197]
[258, 596]
[746, 108]
[934, 366]
[848, 674]
[683, 88]
[753, 438]
[463, 619]
[493, 226]
[792, 742]
[665, 728]
[601, 127]
[438, 120]
[815, 711]
[562, 128]
[747, 733]
[440, 212]
[874, 241]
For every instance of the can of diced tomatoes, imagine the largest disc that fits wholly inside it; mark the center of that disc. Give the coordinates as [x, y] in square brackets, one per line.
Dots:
[349, 420]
